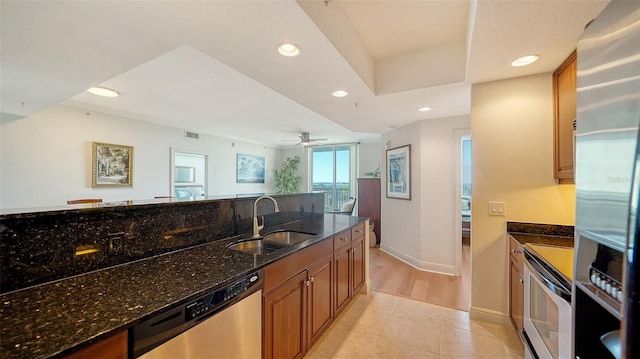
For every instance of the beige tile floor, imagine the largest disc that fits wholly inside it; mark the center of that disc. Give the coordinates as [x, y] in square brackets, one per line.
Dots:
[380, 325]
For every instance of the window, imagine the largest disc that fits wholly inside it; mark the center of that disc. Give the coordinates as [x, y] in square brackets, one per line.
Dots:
[333, 169]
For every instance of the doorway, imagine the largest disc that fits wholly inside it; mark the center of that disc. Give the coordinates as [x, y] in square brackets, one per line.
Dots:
[463, 200]
[189, 174]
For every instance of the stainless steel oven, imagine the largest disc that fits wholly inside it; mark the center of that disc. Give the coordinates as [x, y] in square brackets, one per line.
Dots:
[547, 302]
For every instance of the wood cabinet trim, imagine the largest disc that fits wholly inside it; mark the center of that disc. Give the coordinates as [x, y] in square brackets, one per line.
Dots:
[564, 174]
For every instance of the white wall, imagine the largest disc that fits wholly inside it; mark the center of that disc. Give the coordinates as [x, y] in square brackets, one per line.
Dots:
[46, 158]
[422, 231]
[512, 141]
[369, 157]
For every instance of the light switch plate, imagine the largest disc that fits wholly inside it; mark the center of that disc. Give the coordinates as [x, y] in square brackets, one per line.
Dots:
[497, 208]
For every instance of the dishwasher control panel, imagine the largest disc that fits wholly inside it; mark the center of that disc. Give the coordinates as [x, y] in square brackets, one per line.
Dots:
[212, 302]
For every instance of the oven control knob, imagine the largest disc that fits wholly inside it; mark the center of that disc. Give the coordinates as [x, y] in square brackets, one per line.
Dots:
[593, 278]
[614, 292]
[608, 288]
[597, 281]
[619, 296]
[603, 284]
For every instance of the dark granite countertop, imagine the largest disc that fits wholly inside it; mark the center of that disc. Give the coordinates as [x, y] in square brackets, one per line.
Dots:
[57, 318]
[546, 234]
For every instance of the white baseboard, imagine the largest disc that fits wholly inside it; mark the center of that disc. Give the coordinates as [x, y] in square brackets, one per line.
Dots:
[417, 264]
[489, 315]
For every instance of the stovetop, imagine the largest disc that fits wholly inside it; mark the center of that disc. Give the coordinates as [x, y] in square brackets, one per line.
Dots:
[559, 258]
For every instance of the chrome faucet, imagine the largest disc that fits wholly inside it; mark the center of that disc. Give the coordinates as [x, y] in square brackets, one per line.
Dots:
[256, 227]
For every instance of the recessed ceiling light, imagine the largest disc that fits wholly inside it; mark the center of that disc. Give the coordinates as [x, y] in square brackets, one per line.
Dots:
[289, 49]
[424, 109]
[340, 93]
[103, 91]
[525, 60]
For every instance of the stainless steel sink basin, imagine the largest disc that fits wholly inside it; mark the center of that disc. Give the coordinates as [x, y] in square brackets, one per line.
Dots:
[287, 237]
[256, 246]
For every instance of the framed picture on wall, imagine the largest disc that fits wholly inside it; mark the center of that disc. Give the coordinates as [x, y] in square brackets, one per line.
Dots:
[399, 172]
[112, 165]
[250, 169]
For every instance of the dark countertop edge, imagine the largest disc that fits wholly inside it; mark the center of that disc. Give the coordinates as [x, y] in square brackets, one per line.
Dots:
[524, 238]
[541, 233]
[139, 203]
[118, 327]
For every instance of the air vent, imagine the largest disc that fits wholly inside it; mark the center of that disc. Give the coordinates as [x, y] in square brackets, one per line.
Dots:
[192, 135]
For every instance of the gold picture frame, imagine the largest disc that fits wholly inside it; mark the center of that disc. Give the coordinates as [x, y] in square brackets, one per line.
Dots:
[112, 165]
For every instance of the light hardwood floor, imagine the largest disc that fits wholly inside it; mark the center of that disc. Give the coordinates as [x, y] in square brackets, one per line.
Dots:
[392, 276]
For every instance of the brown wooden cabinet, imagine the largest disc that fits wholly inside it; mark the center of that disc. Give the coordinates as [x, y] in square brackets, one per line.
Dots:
[113, 347]
[358, 258]
[369, 202]
[284, 319]
[342, 263]
[303, 292]
[320, 311]
[297, 301]
[349, 262]
[564, 92]
[516, 286]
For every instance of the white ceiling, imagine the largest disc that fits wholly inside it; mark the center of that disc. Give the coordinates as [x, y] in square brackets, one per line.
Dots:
[212, 66]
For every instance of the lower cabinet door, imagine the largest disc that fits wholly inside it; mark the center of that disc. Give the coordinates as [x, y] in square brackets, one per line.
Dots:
[113, 347]
[358, 263]
[517, 298]
[320, 312]
[342, 265]
[284, 319]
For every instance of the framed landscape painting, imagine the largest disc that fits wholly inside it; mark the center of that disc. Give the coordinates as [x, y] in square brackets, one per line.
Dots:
[399, 172]
[250, 169]
[112, 165]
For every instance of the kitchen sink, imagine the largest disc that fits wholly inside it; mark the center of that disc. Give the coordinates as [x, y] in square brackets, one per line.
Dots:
[256, 246]
[270, 242]
[287, 237]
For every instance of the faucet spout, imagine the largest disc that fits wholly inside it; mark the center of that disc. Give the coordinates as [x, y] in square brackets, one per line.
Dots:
[256, 226]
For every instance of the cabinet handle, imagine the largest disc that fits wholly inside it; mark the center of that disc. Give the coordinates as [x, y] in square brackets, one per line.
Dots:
[358, 231]
[343, 238]
[311, 279]
[521, 281]
[515, 251]
[306, 282]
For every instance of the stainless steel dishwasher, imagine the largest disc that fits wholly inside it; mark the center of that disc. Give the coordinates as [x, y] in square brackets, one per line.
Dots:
[225, 323]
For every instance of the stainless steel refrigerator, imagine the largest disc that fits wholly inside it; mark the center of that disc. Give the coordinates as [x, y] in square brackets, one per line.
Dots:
[605, 290]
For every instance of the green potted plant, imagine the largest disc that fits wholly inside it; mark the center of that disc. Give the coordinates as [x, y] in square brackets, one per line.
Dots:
[287, 180]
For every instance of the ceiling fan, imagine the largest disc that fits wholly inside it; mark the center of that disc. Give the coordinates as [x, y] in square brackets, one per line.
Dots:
[305, 140]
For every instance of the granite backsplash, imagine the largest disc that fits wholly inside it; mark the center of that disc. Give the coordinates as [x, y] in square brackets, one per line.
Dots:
[39, 247]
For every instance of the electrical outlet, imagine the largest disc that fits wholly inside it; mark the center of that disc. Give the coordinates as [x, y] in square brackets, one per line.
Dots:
[497, 208]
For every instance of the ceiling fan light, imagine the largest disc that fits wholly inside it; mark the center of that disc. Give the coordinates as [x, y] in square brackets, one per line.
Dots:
[103, 91]
[525, 60]
[289, 49]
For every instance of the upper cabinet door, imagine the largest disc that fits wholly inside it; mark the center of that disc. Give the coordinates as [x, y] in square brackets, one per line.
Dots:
[564, 90]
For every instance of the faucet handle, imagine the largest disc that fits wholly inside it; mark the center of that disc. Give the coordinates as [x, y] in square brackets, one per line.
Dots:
[261, 226]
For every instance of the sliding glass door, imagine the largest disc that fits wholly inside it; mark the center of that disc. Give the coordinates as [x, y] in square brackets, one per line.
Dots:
[332, 172]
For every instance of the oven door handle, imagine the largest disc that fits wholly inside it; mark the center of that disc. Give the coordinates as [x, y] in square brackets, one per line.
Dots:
[544, 276]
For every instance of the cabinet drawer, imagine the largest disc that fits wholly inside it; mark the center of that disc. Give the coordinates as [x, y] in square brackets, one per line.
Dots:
[342, 239]
[515, 252]
[357, 231]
